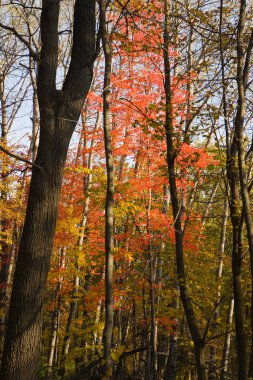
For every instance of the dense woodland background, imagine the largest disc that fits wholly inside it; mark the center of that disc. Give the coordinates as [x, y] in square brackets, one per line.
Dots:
[151, 266]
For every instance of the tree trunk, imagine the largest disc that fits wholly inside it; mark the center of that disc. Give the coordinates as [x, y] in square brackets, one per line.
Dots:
[212, 354]
[237, 254]
[242, 82]
[109, 203]
[171, 156]
[76, 280]
[225, 356]
[59, 113]
[5, 248]
[236, 219]
[36, 126]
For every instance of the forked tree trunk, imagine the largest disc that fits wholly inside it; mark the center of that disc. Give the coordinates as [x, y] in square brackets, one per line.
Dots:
[236, 219]
[59, 113]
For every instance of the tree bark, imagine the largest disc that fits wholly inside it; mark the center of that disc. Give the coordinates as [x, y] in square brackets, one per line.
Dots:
[59, 113]
[171, 157]
[236, 220]
[5, 248]
[212, 353]
[225, 356]
[109, 203]
[242, 82]
[80, 241]
[56, 316]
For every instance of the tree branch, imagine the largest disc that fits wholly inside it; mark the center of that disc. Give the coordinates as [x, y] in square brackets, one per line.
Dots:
[33, 53]
[49, 53]
[20, 158]
[79, 74]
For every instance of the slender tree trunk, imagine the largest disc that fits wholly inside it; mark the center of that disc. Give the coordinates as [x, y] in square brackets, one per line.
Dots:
[208, 207]
[36, 110]
[236, 219]
[227, 340]
[153, 326]
[59, 113]
[109, 203]
[171, 156]
[212, 353]
[242, 79]
[80, 241]
[55, 320]
[5, 247]
[36, 126]
[237, 254]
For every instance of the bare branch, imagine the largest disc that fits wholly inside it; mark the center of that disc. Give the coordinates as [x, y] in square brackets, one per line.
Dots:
[20, 158]
[33, 53]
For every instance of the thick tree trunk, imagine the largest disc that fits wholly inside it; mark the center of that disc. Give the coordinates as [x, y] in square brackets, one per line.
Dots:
[24, 322]
[59, 113]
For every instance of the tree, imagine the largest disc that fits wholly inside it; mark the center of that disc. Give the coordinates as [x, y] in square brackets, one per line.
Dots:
[109, 203]
[59, 113]
[177, 122]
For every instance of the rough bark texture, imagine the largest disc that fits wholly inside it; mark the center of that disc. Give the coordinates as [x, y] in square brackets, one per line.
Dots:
[59, 113]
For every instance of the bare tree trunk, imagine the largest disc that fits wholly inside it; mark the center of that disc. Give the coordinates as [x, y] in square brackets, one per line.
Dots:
[208, 206]
[225, 356]
[76, 280]
[242, 82]
[171, 156]
[236, 219]
[36, 126]
[212, 362]
[153, 326]
[36, 111]
[109, 203]
[4, 222]
[171, 367]
[51, 359]
[59, 113]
